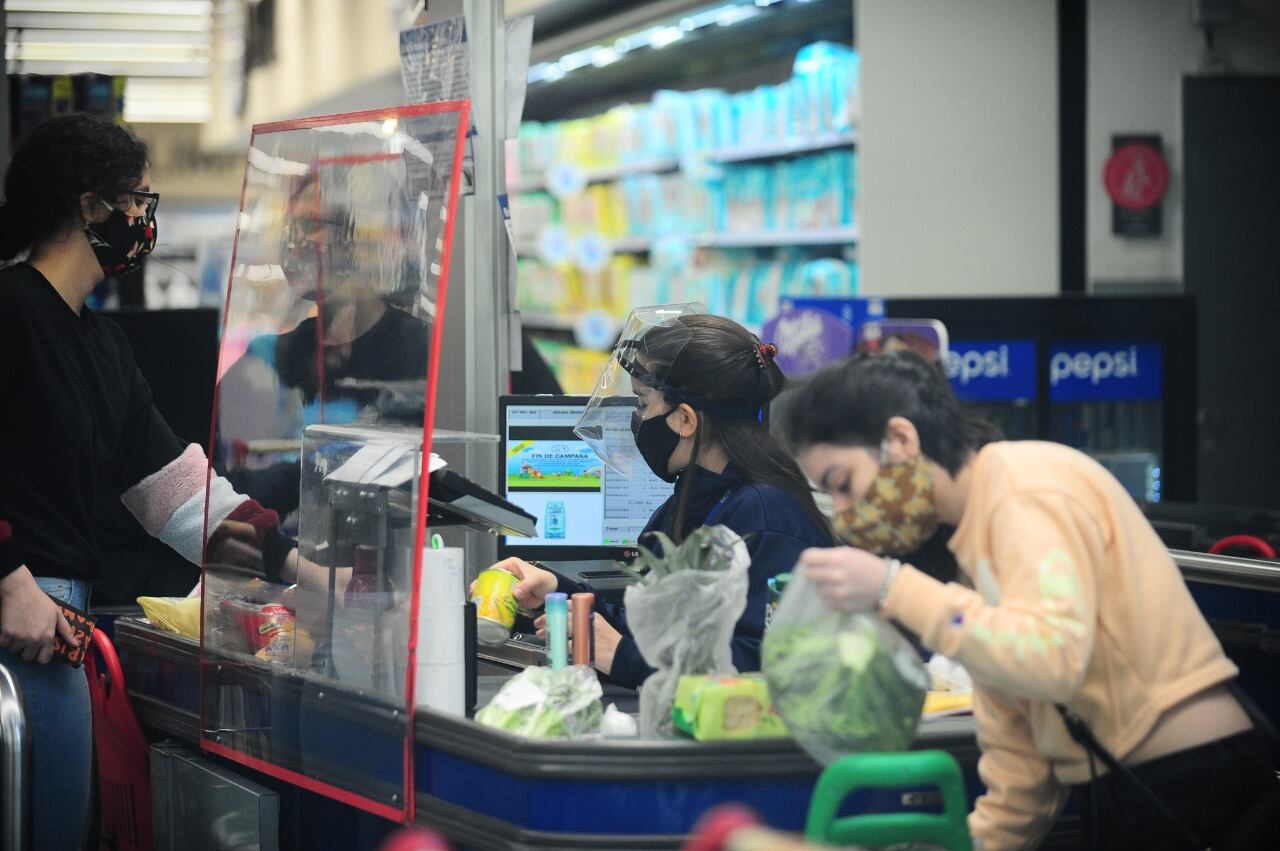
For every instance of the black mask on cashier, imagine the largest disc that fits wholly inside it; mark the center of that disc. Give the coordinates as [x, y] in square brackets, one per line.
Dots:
[121, 241]
[656, 441]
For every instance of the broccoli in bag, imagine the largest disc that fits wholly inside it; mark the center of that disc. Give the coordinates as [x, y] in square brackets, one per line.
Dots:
[843, 683]
[544, 704]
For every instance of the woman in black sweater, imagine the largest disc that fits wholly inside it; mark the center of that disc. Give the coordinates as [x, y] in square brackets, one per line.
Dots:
[76, 420]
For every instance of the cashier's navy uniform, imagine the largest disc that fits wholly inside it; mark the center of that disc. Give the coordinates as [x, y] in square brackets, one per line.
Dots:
[699, 386]
[775, 528]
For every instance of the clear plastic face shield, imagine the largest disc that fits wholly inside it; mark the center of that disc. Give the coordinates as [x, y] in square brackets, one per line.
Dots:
[635, 382]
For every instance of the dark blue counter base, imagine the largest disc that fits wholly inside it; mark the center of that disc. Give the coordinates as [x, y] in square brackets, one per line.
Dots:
[487, 789]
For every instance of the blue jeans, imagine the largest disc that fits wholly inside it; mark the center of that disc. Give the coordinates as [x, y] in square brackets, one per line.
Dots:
[60, 726]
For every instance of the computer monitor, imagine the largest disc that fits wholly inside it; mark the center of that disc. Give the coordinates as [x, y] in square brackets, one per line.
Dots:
[586, 511]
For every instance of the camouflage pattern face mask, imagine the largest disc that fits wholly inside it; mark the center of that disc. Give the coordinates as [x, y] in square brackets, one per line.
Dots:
[897, 514]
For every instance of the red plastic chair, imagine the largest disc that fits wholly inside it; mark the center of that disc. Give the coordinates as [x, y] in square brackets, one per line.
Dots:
[414, 839]
[124, 771]
[1260, 548]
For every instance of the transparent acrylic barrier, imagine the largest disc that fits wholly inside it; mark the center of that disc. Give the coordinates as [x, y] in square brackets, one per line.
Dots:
[332, 334]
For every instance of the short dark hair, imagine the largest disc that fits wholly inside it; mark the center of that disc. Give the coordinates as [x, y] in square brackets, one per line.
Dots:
[850, 404]
[55, 164]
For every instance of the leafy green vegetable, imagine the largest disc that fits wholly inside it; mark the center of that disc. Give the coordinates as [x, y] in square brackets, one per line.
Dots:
[838, 687]
[546, 704]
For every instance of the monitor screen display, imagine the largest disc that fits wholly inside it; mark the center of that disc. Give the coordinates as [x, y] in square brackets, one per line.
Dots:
[585, 509]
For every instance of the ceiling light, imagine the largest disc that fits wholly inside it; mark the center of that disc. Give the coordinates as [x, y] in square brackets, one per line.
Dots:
[736, 14]
[602, 56]
[664, 37]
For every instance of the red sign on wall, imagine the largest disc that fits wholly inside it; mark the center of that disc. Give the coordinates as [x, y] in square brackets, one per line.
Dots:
[1136, 177]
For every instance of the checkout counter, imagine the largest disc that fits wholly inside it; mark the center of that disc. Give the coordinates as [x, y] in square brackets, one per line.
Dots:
[487, 789]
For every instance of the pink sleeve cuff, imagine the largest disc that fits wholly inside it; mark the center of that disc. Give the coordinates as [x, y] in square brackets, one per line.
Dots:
[154, 499]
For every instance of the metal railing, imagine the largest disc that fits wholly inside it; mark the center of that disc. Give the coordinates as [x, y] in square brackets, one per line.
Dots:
[16, 767]
[1228, 570]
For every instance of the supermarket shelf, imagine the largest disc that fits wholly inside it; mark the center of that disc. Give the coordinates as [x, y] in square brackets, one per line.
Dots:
[620, 245]
[784, 148]
[603, 175]
[778, 238]
[732, 239]
[737, 154]
[631, 245]
[541, 322]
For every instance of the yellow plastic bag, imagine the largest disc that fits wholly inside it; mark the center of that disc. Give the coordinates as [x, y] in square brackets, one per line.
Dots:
[175, 614]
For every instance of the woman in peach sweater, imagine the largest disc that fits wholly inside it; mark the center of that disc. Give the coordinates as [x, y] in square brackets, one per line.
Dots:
[1068, 599]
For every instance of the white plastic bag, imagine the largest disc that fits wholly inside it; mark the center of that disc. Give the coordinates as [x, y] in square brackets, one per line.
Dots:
[618, 724]
[948, 675]
[844, 683]
[682, 614]
[546, 704]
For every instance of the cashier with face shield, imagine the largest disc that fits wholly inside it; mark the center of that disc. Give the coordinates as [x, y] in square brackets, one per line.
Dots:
[697, 385]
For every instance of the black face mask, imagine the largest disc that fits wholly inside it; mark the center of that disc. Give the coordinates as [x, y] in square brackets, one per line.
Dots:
[121, 241]
[656, 441]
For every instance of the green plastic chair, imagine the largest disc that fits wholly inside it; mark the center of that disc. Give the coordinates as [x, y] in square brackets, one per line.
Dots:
[890, 771]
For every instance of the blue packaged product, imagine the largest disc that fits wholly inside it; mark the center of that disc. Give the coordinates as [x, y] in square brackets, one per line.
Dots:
[555, 519]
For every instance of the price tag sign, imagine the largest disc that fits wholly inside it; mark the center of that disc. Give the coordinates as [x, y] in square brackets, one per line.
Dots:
[504, 205]
[592, 253]
[554, 245]
[595, 330]
[564, 180]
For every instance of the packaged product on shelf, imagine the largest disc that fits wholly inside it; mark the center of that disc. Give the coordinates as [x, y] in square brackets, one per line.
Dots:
[639, 198]
[823, 77]
[704, 119]
[740, 288]
[643, 287]
[575, 368]
[661, 140]
[825, 278]
[748, 198]
[541, 289]
[530, 213]
[632, 122]
[766, 289]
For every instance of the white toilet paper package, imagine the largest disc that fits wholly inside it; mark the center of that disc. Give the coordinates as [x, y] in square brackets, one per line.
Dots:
[546, 704]
[844, 683]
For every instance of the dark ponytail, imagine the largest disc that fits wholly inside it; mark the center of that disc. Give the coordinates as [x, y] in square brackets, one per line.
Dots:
[55, 164]
[721, 365]
[850, 404]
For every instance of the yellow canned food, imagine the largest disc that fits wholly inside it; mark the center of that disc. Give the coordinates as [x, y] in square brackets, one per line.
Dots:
[495, 605]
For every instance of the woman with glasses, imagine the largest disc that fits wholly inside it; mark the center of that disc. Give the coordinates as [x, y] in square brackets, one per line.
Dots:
[76, 423]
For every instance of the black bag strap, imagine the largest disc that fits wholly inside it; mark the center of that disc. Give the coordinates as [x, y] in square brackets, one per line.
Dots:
[1084, 737]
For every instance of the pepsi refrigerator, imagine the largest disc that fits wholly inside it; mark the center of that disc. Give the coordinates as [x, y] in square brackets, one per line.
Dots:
[1112, 376]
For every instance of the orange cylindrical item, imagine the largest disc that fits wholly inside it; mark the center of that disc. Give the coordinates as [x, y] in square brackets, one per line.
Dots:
[582, 614]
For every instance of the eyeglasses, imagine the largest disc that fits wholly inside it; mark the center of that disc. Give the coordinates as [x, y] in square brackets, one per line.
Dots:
[147, 200]
[321, 229]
